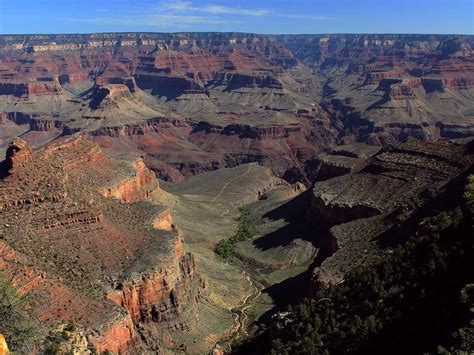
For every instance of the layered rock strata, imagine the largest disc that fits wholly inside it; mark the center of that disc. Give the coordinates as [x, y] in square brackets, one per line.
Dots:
[222, 99]
[76, 230]
[350, 213]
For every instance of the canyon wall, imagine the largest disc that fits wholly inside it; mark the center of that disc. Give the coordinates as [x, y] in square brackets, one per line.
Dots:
[350, 213]
[194, 102]
[130, 271]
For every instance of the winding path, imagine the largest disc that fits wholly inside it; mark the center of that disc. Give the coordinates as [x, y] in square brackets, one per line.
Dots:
[240, 314]
[230, 181]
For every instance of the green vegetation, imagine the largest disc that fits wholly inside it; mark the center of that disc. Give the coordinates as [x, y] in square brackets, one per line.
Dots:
[246, 231]
[53, 348]
[20, 329]
[419, 299]
[469, 193]
[443, 220]
[70, 327]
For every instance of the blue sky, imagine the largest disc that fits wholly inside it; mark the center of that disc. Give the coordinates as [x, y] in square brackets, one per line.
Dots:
[259, 16]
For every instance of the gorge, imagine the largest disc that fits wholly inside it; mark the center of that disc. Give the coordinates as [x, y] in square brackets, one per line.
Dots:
[128, 157]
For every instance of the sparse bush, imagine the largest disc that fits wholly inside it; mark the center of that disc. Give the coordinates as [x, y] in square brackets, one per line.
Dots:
[469, 193]
[21, 331]
[245, 231]
[224, 248]
[444, 220]
[53, 348]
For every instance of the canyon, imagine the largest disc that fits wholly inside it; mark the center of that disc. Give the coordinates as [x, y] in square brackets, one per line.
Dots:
[130, 156]
[198, 102]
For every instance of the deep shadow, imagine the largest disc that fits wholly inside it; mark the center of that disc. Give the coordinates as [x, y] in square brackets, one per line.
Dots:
[293, 212]
[448, 199]
[98, 96]
[4, 168]
[7, 164]
[284, 236]
[291, 291]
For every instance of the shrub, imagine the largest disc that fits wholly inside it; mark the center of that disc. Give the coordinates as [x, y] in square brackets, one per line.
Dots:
[20, 329]
[245, 231]
[469, 193]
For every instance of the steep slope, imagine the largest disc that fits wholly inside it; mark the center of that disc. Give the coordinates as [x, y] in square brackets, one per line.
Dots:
[386, 240]
[223, 99]
[77, 231]
[353, 212]
[206, 209]
[387, 87]
[418, 298]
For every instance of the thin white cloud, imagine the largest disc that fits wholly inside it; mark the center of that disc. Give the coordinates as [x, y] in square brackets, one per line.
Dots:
[186, 14]
[179, 5]
[217, 9]
[213, 9]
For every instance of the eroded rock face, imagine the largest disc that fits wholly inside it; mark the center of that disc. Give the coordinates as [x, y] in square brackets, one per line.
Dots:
[198, 102]
[30, 88]
[350, 212]
[133, 188]
[18, 151]
[163, 220]
[3, 345]
[97, 262]
[119, 337]
[157, 296]
[404, 79]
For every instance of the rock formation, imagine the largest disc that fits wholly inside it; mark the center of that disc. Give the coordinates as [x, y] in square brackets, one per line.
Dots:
[226, 99]
[100, 116]
[3, 346]
[77, 230]
[350, 213]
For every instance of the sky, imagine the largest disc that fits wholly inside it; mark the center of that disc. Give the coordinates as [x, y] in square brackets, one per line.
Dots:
[255, 16]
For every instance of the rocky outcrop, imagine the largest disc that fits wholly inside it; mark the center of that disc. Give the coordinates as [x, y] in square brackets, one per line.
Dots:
[154, 296]
[104, 96]
[156, 124]
[129, 82]
[350, 212]
[30, 88]
[235, 81]
[272, 132]
[129, 269]
[331, 211]
[451, 131]
[378, 76]
[247, 131]
[168, 86]
[163, 220]
[17, 152]
[3, 346]
[134, 188]
[322, 168]
[119, 337]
